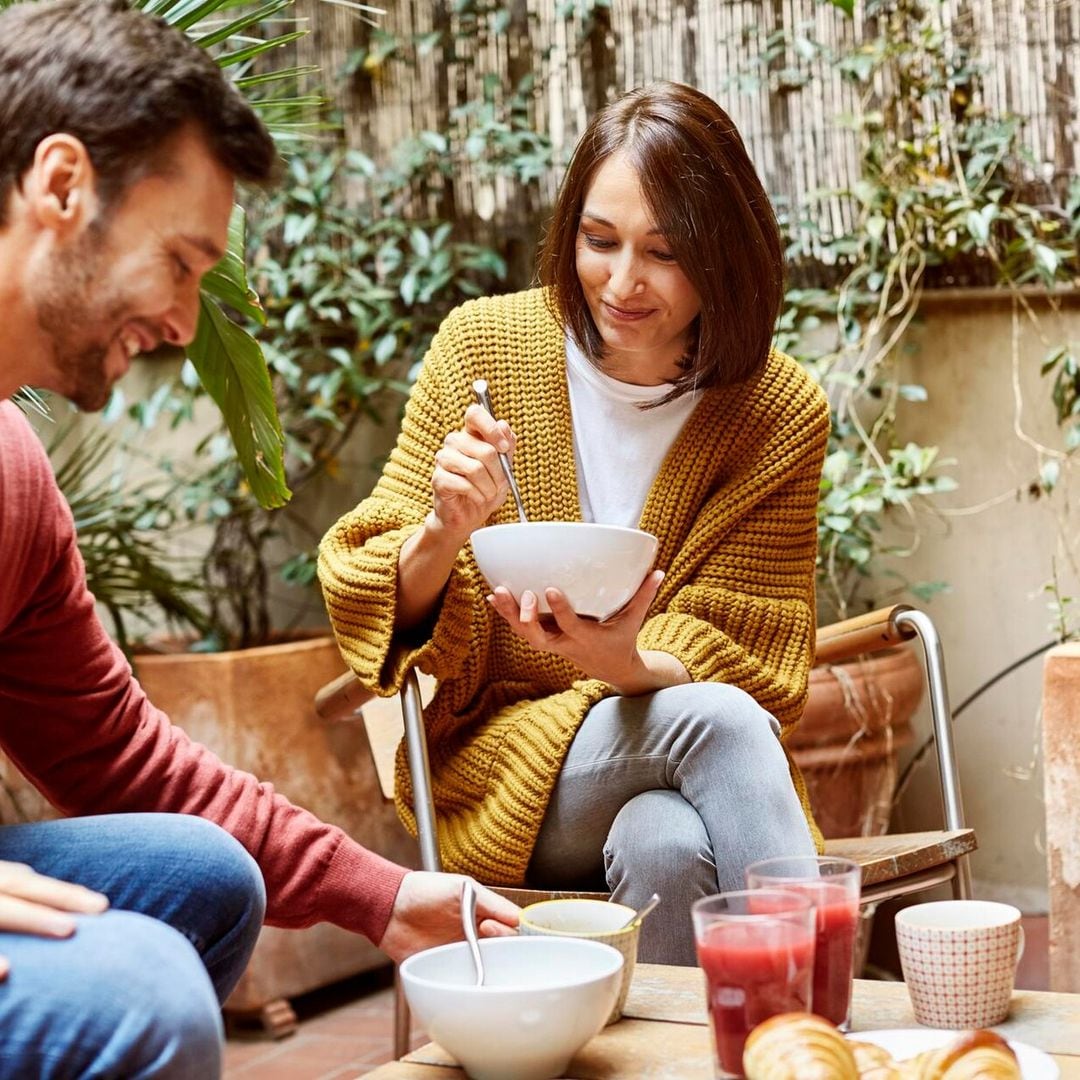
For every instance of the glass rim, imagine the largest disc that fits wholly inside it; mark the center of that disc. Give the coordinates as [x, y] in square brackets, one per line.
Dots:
[762, 866]
[801, 904]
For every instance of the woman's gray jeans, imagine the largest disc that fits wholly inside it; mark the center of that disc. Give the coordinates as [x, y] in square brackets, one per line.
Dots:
[673, 792]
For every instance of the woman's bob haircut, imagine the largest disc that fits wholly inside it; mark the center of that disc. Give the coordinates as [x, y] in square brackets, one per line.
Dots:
[706, 198]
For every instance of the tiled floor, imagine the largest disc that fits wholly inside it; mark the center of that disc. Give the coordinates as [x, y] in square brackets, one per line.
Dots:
[345, 1031]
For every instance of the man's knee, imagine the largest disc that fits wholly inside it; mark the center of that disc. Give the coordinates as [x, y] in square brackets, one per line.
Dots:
[226, 876]
[126, 996]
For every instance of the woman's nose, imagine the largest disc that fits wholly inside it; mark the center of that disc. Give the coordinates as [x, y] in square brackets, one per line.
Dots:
[626, 276]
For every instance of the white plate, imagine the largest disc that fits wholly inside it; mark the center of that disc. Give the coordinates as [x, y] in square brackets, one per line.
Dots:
[907, 1042]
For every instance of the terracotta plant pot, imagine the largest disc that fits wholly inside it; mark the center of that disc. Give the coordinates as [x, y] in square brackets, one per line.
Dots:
[856, 720]
[254, 709]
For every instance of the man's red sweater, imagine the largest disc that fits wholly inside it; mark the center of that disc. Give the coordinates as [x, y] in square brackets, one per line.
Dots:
[78, 725]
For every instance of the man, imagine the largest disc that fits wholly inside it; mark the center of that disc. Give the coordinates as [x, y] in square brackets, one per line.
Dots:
[122, 928]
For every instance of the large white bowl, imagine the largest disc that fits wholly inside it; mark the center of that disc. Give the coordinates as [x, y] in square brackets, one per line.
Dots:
[543, 998]
[597, 567]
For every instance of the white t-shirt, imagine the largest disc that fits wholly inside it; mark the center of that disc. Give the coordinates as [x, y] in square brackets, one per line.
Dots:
[618, 447]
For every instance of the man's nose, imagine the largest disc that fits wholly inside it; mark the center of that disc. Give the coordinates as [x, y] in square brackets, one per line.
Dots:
[182, 320]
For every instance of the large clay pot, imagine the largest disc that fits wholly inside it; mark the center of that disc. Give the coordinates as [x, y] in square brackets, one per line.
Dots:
[856, 720]
[254, 709]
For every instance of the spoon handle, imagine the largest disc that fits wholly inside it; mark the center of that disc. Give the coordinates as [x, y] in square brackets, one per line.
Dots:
[468, 923]
[483, 399]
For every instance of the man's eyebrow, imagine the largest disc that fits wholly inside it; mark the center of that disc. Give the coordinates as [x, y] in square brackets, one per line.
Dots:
[604, 221]
[205, 245]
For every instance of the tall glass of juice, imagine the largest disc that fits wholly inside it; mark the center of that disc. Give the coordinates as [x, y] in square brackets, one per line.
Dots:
[832, 886]
[757, 951]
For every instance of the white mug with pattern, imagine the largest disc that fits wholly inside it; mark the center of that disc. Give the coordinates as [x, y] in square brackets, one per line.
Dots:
[959, 960]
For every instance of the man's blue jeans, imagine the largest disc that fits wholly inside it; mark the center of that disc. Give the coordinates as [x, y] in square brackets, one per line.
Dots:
[136, 992]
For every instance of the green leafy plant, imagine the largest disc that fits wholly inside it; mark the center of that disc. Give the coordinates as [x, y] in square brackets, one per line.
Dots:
[351, 298]
[940, 200]
[121, 528]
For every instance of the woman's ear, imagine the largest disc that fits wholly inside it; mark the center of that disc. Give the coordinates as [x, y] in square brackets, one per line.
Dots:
[59, 187]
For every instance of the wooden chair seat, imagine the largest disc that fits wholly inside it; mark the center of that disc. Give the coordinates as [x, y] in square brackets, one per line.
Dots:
[904, 862]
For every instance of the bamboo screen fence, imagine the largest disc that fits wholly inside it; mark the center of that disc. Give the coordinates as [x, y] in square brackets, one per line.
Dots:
[788, 108]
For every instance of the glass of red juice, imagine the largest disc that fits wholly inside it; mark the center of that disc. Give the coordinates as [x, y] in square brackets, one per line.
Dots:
[757, 951]
[832, 886]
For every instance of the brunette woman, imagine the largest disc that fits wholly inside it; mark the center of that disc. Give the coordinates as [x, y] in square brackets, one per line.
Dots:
[636, 387]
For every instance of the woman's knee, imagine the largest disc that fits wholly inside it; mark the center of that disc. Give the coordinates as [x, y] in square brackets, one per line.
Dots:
[725, 721]
[126, 996]
[657, 834]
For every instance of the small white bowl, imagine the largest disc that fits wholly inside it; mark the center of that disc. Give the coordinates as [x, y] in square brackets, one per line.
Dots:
[597, 567]
[543, 999]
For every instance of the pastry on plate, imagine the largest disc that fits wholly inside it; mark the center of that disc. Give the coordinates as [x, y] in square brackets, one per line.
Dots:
[798, 1046]
[801, 1046]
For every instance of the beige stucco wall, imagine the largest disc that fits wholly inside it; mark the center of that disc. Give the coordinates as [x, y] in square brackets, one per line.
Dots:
[996, 562]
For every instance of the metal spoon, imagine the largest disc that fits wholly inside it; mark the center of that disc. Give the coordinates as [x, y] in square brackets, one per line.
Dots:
[483, 398]
[641, 912]
[468, 922]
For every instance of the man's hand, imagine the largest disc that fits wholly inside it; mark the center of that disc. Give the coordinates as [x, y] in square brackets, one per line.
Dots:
[31, 903]
[427, 912]
[603, 650]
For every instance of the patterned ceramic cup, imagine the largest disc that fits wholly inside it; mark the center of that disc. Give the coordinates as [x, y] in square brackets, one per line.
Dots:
[596, 920]
[959, 959]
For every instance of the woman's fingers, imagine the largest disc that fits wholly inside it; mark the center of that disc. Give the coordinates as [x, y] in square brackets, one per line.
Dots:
[477, 472]
[497, 433]
[638, 606]
[523, 619]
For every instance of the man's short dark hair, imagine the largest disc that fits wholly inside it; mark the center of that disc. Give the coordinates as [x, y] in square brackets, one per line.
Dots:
[706, 198]
[123, 83]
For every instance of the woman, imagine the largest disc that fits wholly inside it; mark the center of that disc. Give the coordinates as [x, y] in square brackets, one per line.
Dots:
[636, 388]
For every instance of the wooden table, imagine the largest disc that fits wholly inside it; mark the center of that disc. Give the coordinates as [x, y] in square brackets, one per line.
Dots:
[663, 1033]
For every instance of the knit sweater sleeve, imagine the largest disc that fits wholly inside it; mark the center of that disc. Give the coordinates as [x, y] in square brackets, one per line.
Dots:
[78, 725]
[358, 557]
[745, 615]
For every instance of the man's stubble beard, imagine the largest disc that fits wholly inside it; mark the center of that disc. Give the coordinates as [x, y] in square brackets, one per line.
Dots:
[65, 304]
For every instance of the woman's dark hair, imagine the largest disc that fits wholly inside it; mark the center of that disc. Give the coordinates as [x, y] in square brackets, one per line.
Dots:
[705, 196]
[124, 84]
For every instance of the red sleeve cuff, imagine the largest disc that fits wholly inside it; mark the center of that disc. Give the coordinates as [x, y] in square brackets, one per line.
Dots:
[359, 890]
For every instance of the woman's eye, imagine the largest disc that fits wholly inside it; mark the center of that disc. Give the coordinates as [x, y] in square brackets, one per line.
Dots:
[664, 256]
[182, 268]
[597, 242]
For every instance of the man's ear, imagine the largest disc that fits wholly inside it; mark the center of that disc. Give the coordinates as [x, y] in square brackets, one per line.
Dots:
[59, 187]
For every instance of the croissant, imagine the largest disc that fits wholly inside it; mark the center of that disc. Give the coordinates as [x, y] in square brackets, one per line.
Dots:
[980, 1055]
[873, 1063]
[801, 1046]
[798, 1046]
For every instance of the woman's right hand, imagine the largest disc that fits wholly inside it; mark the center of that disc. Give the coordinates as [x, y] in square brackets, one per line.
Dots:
[468, 482]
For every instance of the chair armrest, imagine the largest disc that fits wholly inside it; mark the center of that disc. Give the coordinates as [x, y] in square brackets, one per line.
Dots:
[342, 698]
[863, 634]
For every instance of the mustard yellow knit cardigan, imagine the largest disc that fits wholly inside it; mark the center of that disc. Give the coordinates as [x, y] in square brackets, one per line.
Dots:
[734, 509]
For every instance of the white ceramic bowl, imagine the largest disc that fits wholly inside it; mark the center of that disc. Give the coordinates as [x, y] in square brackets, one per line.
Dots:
[597, 567]
[543, 998]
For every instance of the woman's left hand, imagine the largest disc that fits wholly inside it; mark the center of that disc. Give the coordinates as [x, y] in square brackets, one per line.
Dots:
[603, 650]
